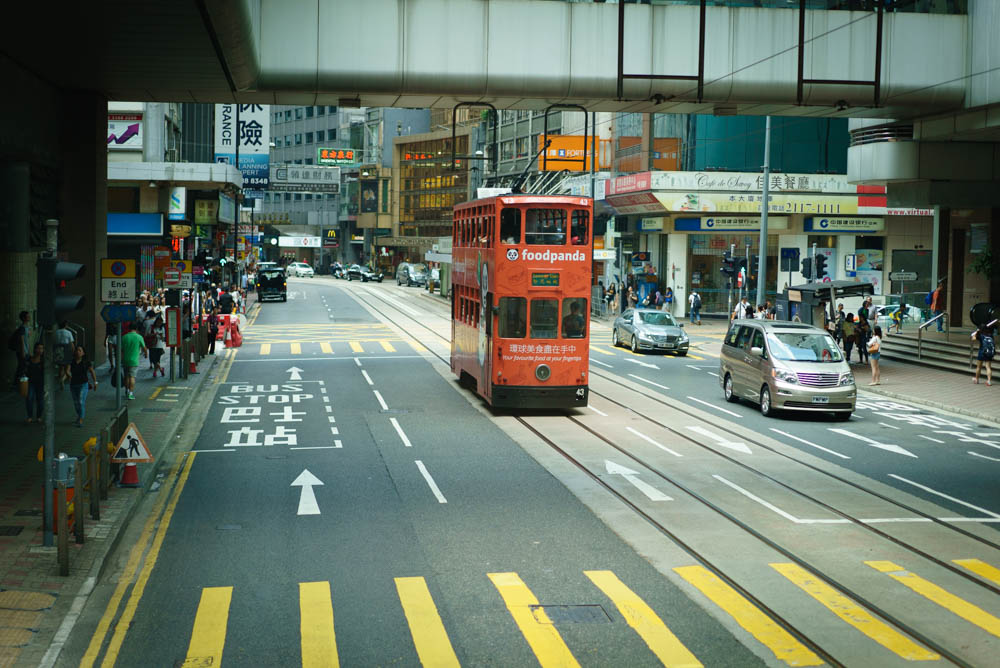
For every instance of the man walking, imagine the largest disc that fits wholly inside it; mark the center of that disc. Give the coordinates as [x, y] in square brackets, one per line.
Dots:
[132, 345]
[694, 302]
[19, 343]
[937, 304]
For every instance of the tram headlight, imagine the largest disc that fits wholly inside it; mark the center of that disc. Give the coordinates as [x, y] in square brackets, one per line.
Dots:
[543, 372]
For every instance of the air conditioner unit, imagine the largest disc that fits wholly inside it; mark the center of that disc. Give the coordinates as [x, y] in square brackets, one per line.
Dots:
[172, 155]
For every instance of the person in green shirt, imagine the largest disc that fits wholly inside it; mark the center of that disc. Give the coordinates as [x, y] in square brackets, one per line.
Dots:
[132, 346]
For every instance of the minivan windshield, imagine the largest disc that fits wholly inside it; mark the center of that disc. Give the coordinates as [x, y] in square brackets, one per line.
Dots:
[418, 268]
[656, 318]
[803, 347]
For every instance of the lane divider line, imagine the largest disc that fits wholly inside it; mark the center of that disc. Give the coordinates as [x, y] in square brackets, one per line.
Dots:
[399, 430]
[381, 401]
[718, 408]
[649, 440]
[367, 377]
[430, 482]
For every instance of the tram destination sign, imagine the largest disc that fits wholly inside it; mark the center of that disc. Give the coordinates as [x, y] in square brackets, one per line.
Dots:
[545, 280]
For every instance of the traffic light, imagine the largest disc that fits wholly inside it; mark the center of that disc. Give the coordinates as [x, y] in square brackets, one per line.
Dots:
[752, 272]
[807, 267]
[820, 261]
[728, 265]
[53, 302]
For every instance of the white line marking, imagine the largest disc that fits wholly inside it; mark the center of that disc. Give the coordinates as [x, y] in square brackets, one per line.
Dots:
[381, 401]
[399, 430]
[599, 412]
[66, 628]
[330, 418]
[337, 443]
[335, 431]
[712, 373]
[323, 390]
[802, 440]
[663, 387]
[367, 377]
[722, 440]
[713, 406]
[357, 361]
[222, 450]
[759, 500]
[430, 482]
[601, 363]
[944, 496]
[976, 454]
[692, 366]
[890, 426]
[930, 438]
[327, 400]
[649, 440]
[875, 444]
[632, 477]
[315, 447]
[645, 364]
[329, 409]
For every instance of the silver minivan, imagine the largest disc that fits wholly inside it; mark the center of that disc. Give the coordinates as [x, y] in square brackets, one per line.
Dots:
[786, 366]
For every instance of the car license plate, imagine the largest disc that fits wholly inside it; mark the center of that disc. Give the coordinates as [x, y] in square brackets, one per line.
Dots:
[821, 400]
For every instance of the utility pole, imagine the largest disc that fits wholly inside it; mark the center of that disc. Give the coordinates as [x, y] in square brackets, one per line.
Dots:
[49, 396]
[732, 254]
[762, 245]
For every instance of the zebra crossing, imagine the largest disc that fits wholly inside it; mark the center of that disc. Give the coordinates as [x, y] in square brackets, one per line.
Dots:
[348, 347]
[539, 627]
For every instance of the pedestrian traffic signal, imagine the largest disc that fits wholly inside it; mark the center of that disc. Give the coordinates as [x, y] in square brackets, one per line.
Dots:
[820, 260]
[807, 267]
[752, 272]
[728, 265]
[53, 302]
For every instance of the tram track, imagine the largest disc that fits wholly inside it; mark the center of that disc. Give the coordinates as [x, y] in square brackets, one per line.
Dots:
[757, 535]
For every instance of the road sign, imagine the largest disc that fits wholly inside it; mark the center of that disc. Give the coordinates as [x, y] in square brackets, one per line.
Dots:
[171, 277]
[117, 280]
[118, 313]
[131, 449]
[903, 276]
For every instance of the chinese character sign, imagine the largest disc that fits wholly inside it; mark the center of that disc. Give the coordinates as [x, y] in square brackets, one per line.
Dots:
[248, 127]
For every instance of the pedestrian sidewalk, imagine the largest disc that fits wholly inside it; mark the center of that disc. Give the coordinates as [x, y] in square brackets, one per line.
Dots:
[34, 599]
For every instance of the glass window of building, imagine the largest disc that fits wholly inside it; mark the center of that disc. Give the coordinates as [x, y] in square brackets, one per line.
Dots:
[298, 197]
[277, 142]
[332, 109]
[545, 227]
[288, 114]
[298, 138]
[320, 110]
[277, 117]
[298, 113]
[298, 162]
[309, 112]
[288, 197]
[544, 318]
[288, 140]
[513, 320]
[309, 137]
[331, 134]
[309, 161]
[522, 147]
[309, 196]
[506, 150]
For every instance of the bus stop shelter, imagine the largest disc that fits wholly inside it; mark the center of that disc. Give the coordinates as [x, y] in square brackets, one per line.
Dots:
[805, 302]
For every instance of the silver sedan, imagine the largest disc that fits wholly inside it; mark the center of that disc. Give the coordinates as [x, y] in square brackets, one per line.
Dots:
[649, 329]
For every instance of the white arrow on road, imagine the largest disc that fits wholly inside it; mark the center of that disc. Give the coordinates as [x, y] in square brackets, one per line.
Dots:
[295, 371]
[307, 499]
[645, 364]
[633, 477]
[875, 444]
[721, 440]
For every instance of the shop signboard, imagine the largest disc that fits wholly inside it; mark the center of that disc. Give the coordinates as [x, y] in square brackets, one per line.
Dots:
[252, 133]
[728, 223]
[604, 254]
[651, 225]
[818, 204]
[636, 203]
[335, 156]
[565, 152]
[369, 196]
[331, 237]
[741, 182]
[206, 211]
[125, 131]
[305, 178]
[177, 205]
[629, 183]
[840, 224]
[298, 242]
[161, 260]
[227, 209]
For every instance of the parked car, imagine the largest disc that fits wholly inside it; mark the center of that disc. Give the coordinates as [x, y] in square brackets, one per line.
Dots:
[358, 273]
[271, 284]
[649, 329]
[786, 366]
[300, 269]
[408, 273]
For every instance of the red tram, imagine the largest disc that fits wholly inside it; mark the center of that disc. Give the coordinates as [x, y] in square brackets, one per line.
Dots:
[521, 287]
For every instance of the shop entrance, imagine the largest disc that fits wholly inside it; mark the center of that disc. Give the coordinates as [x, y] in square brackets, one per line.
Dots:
[705, 252]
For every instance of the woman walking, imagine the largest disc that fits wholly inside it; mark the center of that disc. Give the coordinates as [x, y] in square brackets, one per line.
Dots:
[987, 349]
[874, 344]
[81, 379]
[157, 335]
[847, 329]
[34, 369]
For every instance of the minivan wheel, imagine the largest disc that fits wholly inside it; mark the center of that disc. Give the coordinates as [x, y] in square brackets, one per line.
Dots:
[635, 344]
[765, 402]
[727, 389]
[615, 341]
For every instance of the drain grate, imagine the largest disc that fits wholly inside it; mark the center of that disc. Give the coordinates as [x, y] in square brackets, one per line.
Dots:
[570, 614]
[11, 530]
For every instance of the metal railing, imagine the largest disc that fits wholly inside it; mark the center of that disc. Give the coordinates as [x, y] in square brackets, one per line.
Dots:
[927, 323]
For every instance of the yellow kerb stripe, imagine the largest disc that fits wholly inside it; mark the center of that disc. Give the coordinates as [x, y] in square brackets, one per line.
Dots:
[429, 636]
[296, 348]
[855, 615]
[326, 347]
[980, 568]
[664, 644]
[756, 623]
[265, 349]
[602, 351]
[417, 347]
[541, 634]
[356, 347]
[387, 347]
[319, 642]
[967, 611]
[208, 638]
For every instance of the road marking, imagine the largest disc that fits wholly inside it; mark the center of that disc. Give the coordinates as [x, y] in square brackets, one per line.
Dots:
[381, 401]
[649, 440]
[265, 349]
[356, 347]
[357, 361]
[930, 438]
[313, 447]
[721, 440]
[693, 356]
[641, 363]
[875, 444]
[303, 360]
[712, 373]
[367, 377]
[430, 482]
[601, 363]
[602, 351]
[692, 366]
[428, 632]
[417, 347]
[208, 637]
[663, 643]
[329, 409]
[890, 426]
[852, 613]
[334, 431]
[944, 496]
[967, 611]
[326, 347]
[387, 347]
[598, 411]
[980, 568]
[326, 399]
[784, 646]
[663, 387]
[156, 393]
[802, 440]
[976, 454]
[766, 504]
[632, 477]
[307, 496]
[535, 625]
[296, 348]
[714, 406]
[318, 638]
[219, 450]
[399, 430]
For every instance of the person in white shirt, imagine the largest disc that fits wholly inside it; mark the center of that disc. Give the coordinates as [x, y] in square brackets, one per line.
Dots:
[743, 309]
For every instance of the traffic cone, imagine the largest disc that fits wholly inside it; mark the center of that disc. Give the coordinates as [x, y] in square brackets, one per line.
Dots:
[130, 476]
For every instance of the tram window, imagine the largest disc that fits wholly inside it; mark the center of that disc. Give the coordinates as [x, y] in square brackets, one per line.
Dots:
[578, 230]
[545, 227]
[574, 322]
[544, 318]
[513, 318]
[510, 226]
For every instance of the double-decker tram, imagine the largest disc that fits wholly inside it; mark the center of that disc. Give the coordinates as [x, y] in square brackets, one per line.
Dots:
[521, 287]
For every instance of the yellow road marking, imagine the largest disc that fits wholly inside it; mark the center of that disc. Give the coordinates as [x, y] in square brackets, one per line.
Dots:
[535, 625]
[156, 393]
[296, 348]
[265, 349]
[319, 642]
[387, 347]
[756, 623]
[980, 568]
[126, 577]
[601, 350]
[208, 637]
[695, 357]
[854, 614]
[417, 347]
[121, 628]
[356, 347]
[429, 635]
[967, 611]
[325, 347]
[664, 644]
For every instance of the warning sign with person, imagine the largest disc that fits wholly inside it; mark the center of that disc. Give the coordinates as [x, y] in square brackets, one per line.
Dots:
[131, 449]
